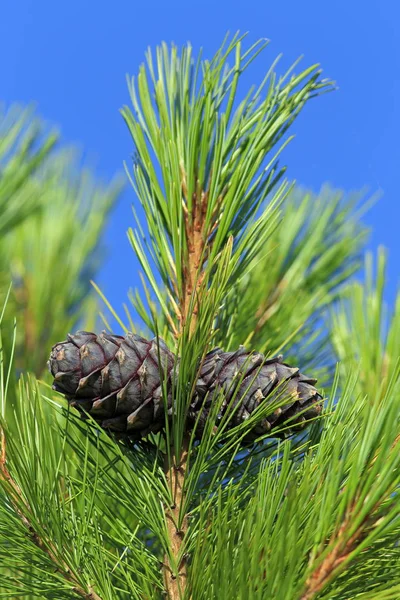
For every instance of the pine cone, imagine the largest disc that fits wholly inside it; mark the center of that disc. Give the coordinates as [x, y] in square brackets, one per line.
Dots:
[115, 379]
[118, 381]
[245, 380]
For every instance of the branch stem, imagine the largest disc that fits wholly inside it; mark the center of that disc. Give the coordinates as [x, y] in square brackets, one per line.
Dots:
[16, 498]
[176, 463]
[175, 575]
[340, 551]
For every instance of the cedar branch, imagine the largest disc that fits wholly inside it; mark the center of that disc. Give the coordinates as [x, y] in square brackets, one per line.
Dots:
[175, 574]
[342, 546]
[340, 551]
[16, 498]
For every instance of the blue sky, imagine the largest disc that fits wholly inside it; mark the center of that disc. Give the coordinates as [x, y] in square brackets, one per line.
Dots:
[71, 59]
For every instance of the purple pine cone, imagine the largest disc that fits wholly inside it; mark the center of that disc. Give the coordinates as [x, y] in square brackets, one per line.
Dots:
[119, 382]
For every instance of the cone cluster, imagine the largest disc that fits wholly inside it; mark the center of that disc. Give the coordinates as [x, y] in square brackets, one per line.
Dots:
[125, 384]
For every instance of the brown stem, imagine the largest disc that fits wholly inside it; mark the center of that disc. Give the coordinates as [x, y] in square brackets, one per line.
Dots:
[197, 236]
[192, 272]
[340, 550]
[16, 498]
[341, 545]
[174, 567]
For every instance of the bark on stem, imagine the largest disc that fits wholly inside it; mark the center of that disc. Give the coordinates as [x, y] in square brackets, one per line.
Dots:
[175, 574]
[175, 562]
[328, 569]
[193, 276]
[341, 547]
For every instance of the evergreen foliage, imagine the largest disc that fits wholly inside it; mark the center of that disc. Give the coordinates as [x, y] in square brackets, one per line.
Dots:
[231, 253]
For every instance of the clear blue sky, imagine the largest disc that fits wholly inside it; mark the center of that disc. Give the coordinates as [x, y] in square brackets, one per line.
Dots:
[71, 58]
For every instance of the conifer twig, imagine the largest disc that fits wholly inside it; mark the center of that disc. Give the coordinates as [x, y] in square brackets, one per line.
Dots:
[175, 565]
[16, 498]
[341, 549]
[175, 466]
[341, 546]
[192, 276]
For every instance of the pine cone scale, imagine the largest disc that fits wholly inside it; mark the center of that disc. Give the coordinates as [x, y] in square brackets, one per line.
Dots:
[119, 382]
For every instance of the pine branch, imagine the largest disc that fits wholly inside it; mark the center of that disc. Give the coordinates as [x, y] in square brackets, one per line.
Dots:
[201, 175]
[22, 509]
[311, 255]
[175, 572]
[345, 541]
[365, 331]
[24, 148]
[205, 163]
[340, 547]
[42, 197]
